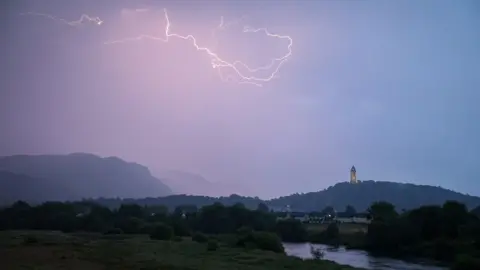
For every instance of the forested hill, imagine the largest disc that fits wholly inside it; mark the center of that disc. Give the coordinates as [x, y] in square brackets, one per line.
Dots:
[361, 196]
[73, 177]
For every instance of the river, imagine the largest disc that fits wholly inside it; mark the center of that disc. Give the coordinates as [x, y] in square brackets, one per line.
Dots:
[355, 258]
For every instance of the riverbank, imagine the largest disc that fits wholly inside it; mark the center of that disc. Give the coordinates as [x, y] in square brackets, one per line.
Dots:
[358, 258]
[457, 254]
[56, 250]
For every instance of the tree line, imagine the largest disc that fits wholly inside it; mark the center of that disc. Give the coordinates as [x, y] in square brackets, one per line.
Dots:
[448, 233]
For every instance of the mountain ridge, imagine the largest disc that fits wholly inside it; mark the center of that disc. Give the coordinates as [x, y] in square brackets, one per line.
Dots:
[85, 175]
[80, 176]
[184, 182]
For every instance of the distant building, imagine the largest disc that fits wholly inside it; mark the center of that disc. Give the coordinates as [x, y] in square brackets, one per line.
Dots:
[314, 217]
[303, 217]
[353, 175]
[356, 218]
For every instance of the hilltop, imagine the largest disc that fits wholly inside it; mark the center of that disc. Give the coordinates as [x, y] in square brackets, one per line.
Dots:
[75, 176]
[363, 194]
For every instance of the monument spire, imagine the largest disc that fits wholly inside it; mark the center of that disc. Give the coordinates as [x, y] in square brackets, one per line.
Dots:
[353, 175]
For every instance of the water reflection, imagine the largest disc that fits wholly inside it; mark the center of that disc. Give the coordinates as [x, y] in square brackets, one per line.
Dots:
[355, 258]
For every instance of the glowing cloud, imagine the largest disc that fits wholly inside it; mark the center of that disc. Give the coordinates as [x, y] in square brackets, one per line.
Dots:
[219, 63]
[83, 19]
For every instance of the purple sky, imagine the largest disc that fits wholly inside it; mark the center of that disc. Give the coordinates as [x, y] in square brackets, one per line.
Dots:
[391, 87]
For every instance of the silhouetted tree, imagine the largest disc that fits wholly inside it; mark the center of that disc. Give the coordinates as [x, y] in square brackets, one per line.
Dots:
[162, 232]
[455, 215]
[350, 210]
[131, 210]
[262, 207]
[291, 230]
[476, 211]
[382, 211]
[329, 210]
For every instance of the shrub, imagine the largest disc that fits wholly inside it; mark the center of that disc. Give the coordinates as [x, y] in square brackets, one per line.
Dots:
[317, 253]
[444, 250]
[199, 237]
[162, 232]
[131, 225]
[244, 230]
[212, 245]
[330, 236]
[180, 228]
[261, 240]
[149, 228]
[30, 240]
[355, 240]
[465, 262]
[332, 232]
[291, 230]
[268, 241]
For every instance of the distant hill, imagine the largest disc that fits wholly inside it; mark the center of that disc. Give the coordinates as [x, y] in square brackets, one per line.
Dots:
[363, 194]
[187, 183]
[15, 187]
[194, 184]
[77, 176]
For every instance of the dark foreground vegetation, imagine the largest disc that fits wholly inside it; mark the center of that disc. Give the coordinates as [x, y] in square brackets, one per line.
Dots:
[95, 251]
[448, 233]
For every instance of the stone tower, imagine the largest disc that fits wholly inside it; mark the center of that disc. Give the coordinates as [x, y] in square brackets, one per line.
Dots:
[353, 175]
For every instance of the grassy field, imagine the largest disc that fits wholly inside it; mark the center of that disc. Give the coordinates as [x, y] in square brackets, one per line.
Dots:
[55, 250]
[344, 228]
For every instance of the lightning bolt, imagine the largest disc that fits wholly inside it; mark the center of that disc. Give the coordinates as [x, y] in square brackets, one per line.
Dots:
[84, 18]
[217, 62]
[222, 26]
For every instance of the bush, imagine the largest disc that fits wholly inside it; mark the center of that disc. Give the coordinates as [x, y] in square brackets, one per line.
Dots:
[444, 250]
[114, 231]
[212, 245]
[291, 230]
[199, 237]
[355, 240]
[465, 262]
[332, 232]
[131, 225]
[316, 237]
[162, 232]
[180, 228]
[149, 228]
[261, 240]
[330, 236]
[177, 239]
[244, 230]
[29, 240]
[268, 241]
[317, 253]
